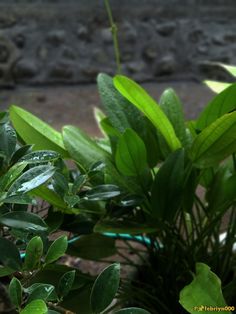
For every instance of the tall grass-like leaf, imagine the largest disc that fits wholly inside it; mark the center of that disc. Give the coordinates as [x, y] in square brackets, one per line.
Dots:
[167, 189]
[204, 290]
[146, 104]
[173, 108]
[105, 288]
[215, 142]
[34, 131]
[120, 111]
[221, 104]
[216, 87]
[131, 155]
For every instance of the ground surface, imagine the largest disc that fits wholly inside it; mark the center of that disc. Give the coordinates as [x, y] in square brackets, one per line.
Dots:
[74, 105]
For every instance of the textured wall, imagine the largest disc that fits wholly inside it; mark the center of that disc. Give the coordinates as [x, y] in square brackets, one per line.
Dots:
[50, 42]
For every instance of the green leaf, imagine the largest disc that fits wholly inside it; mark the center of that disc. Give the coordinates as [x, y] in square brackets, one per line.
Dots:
[204, 290]
[132, 310]
[9, 256]
[102, 192]
[128, 227]
[34, 131]
[105, 288]
[121, 113]
[36, 307]
[56, 250]
[33, 254]
[173, 108]
[215, 142]
[40, 291]
[138, 97]
[31, 179]
[6, 271]
[15, 292]
[23, 220]
[20, 153]
[229, 68]
[50, 196]
[12, 174]
[40, 157]
[7, 140]
[65, 283]
[167, 189]
[221, 104]
[93, 247]
[216, 87]
[82, 148]
[131, 155]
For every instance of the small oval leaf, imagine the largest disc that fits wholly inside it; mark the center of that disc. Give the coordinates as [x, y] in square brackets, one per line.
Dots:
[105, 288]
[33, 254]
[56, 250]
[15, 292]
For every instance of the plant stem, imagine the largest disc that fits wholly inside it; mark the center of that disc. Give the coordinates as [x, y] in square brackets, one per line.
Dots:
[114, 31]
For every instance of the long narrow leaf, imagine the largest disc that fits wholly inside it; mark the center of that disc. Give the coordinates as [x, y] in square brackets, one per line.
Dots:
[146, 104]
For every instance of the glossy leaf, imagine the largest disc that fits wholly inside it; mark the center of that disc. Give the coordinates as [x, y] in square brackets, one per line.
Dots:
[138, 97]
[221, 104]
[132, 310]
[167, 189]
[9, 256]
[33, 254]
[15, 292]
[205, 289]
[20, 153]
[24, 221]
[173, 108]
[215, 142]
[82, 148]
[34, 131]
[216, 87]
[7, 140]
[102, 192]
[93, 247]
[56, 250]
[12, 174]
[131, 154]
[40, 156]
[31, 179]
[36, 307]
[40, 291]
[105, 288]
[65, 283]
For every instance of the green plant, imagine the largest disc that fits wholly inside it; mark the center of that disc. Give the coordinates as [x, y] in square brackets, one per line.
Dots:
[29, 258]
[216, 86]
[176, 183]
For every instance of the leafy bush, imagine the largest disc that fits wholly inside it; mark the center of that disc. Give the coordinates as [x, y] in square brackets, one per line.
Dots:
[29, 257]
[154, 177]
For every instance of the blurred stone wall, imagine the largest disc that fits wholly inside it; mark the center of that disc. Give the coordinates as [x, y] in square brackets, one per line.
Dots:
[69, 42]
